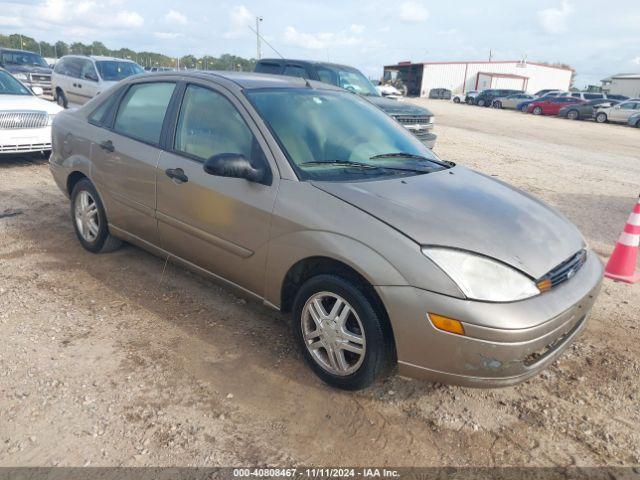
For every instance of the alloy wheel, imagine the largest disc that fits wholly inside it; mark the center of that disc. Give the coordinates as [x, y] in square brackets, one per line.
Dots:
[333, 333]
[86, 216]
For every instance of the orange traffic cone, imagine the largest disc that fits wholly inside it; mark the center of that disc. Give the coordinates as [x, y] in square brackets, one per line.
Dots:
[622, 263]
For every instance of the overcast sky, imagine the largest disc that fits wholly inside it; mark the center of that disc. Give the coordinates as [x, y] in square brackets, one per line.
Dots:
[597, 38]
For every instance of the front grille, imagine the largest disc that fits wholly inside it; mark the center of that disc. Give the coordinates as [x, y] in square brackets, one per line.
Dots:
[566, 269]
[41, 78]
[18, 120]
[412, 119]
[27, 147]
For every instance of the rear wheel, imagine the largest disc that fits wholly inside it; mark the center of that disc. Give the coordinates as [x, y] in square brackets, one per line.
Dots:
[601, 117]
[497, 104]
[523, 108]
[537, 111]
[456, 100]
[341, 332]
[573, 115]
[638, 123]
[480, 102]
[90, 219]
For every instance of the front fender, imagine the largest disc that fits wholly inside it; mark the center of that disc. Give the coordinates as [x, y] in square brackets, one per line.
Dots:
[287, 250]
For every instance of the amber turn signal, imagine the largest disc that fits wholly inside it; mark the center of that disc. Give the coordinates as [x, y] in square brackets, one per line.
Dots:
[544, 285]
[447, 324]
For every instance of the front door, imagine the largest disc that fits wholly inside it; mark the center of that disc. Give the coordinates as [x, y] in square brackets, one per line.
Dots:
[623, 111]
[125, 157]
[220, 224]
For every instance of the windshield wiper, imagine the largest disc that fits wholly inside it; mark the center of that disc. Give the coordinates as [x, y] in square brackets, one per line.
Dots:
[412, 155]
[347, 163]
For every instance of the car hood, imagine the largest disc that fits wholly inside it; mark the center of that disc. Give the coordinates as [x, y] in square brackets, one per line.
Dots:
[27, 102]
[395, 107]
[27, 69]
[462, 209]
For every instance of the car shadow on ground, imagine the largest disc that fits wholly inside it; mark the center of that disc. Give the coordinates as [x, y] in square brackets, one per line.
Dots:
[23, 160]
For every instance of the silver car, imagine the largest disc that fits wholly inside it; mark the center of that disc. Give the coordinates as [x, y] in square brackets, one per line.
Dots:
[511, 102]
[619, 113]
[315, 202]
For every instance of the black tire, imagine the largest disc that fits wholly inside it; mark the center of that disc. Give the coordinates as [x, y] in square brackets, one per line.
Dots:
[573, 115]
[61, 99]
[104, 241]
[537, 111]
[601, 117]
[524, 108]
[480, 102]
[379, 353]
[456, 100]
[497, 104]
[638, 124]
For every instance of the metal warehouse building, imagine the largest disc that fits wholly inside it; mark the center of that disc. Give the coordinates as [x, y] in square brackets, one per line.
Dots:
[623, 84]
[460, 77]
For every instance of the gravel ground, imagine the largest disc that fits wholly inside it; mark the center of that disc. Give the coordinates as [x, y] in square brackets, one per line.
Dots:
[106, 360]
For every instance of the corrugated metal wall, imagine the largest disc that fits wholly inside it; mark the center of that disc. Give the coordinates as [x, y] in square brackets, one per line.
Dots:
[459, 77]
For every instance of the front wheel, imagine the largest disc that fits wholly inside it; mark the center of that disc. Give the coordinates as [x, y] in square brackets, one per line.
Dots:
[480, 103]
[638, 123]
[90, 219]
[341, 332]
[497, 104]
[61, 99]
[456, 100]
[537, 111]
[601, 117]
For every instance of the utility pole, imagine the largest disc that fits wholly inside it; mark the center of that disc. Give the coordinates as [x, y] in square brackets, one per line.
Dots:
[490, 54]
[259, 53]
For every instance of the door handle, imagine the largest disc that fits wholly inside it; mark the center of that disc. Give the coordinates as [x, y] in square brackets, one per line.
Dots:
[107, 146]
[177, 174]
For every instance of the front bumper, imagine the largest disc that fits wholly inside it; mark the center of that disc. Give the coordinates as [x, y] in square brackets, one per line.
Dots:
[25, 140]
[504, 343]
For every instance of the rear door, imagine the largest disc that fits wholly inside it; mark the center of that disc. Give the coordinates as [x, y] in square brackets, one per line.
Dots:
[220, 224]
[125, 155]
[73, 67]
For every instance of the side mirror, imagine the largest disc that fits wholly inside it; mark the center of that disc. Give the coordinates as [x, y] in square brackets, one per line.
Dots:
[234, 165]
[37, 91]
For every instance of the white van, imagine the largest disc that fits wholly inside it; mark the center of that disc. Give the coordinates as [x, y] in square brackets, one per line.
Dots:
[78, 78]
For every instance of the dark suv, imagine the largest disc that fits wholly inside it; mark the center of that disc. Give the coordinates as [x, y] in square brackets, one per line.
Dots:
[485, 98]
[417, 120]
[28, 67]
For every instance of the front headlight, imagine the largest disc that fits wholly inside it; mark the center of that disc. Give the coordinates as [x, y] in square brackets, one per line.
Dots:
[21, 76]
[481, 278]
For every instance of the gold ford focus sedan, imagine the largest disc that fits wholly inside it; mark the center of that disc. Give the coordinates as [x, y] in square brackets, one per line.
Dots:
[315, 202]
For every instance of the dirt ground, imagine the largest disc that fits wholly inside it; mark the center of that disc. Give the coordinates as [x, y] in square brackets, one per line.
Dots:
[106, 361]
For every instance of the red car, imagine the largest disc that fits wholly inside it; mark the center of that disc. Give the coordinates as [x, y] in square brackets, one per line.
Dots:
[551, 106]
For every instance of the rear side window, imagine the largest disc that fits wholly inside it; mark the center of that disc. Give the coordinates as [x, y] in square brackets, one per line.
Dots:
[295, 71]
[592, 96]
[142, 110]
[267, 67]
[98, 116]
[73, 67]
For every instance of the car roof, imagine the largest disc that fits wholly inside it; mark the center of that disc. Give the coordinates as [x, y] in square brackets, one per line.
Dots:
[98, 58]
[308, 62]
[17, 50]
[244, 80]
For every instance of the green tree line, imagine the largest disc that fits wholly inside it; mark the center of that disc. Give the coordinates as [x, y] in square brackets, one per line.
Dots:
[145, 59]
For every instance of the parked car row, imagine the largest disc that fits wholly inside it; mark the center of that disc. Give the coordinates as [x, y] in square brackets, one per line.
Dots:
[572, 105]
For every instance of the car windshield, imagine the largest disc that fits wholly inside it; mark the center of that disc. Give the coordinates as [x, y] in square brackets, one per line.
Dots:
[23, 58]
[347, 78]
[336, 136]
[113, 71]
[11, 86]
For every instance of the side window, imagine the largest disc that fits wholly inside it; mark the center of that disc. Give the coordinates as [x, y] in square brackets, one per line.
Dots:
[99, 116]
[88, 71]
[209, 125]
[627, 106]
[59, 67]
[142, 110]
[73, 67]
[327, 76]
[268, 67]
[295, 71]
[575, 95]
